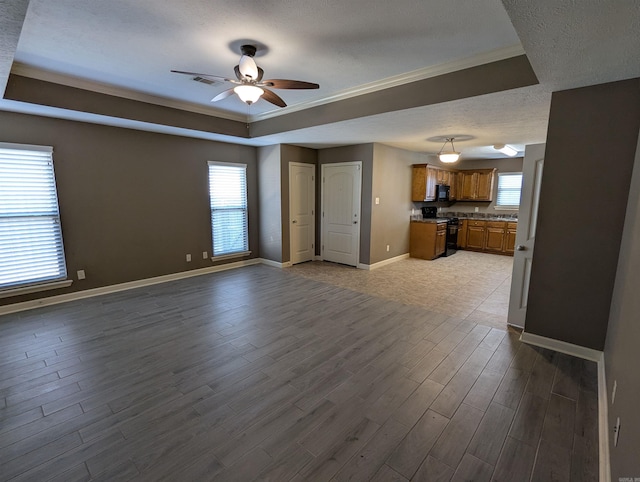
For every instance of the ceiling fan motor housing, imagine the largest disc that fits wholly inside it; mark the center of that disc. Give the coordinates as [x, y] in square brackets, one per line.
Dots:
[248, 50]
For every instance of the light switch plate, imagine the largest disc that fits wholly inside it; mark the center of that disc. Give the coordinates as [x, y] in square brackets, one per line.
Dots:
[188, 258]
[81, 274]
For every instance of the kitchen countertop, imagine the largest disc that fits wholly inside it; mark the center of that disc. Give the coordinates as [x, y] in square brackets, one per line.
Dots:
[429, 220]
[471, 218]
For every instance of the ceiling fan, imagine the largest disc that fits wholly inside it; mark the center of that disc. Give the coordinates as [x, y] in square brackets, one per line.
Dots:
[249, 84]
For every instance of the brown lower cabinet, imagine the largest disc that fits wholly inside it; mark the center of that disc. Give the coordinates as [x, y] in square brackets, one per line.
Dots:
[497, 237]
[427, 240]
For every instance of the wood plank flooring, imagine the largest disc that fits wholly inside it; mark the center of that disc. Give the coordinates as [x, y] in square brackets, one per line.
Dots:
[260, 374]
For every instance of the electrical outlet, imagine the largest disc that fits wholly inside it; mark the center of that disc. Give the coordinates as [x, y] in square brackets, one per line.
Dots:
[387, 248]
[613, 392]
[377, 200]
[81, 274]
[616, 432]
[476, 209]
[188, 258]
[205, 255]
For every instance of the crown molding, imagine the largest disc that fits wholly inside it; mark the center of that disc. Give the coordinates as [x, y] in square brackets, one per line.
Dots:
[102, 88]
[396, 80]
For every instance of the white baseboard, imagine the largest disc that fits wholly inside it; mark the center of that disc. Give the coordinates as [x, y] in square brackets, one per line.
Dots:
[78, 295]
[561, 346]
[603, 401]
[382, 263]
[275, 264]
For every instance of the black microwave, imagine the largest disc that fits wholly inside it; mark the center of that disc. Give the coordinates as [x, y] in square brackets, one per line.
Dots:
[442, 192]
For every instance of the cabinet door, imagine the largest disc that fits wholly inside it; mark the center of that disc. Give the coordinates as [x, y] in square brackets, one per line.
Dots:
[422, 242]
[484, 189]
[462, 234]
[494, 240]
[468, 185]
[475, 237]
[453, 183]
[446, 176]
[419, 183]
[441, 241]
[432, 180]
[510, 238]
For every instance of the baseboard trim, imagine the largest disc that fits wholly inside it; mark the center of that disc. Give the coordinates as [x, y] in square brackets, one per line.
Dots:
[561, 346]
[603, 424]
[275, 264]
[603, 401]
[382, 263]
[78, 295]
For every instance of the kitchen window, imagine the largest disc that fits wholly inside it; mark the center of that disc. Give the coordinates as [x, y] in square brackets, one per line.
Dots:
[228, 198]
[509, 186]
[31, 249]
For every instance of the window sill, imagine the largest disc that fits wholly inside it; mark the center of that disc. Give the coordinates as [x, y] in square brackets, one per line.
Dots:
[230, 256]
[24, 290]
[506, 208]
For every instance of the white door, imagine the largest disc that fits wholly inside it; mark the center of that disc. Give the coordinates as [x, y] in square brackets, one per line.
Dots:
[526, 234]
[302, 199]
[341, 184]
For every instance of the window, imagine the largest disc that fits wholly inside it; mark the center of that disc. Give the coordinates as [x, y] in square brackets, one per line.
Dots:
[31, 250]
[228, 198]
[509, 185]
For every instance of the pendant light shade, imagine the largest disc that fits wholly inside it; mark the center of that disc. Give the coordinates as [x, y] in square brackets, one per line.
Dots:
[248, 67]
[448, 156]
[248, 93]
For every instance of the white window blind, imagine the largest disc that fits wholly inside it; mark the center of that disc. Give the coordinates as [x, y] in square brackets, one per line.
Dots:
[31, 249]
[509, 186]
[228, 197]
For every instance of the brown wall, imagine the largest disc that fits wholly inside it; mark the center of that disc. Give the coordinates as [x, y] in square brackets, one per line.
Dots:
[623, 338]
[392, 185]
[270, 203]
[589, 156]
[364, 153]
[132, 203]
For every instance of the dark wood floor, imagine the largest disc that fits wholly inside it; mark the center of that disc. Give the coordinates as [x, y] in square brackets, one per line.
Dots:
[258, 374]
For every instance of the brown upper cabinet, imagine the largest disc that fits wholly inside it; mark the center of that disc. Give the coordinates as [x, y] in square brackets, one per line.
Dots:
[467, 185]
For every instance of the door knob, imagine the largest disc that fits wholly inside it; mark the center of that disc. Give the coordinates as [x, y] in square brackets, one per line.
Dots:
[294, 221]
[521, 248]
[355, 222]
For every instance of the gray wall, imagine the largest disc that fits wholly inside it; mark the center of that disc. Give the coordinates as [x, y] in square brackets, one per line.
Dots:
[621, 352]
[590, 151]
[392, 185]
[364, 153]
[132, 203]
[270, 202]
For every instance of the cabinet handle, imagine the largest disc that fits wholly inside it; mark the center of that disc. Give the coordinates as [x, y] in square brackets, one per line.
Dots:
[521, 248]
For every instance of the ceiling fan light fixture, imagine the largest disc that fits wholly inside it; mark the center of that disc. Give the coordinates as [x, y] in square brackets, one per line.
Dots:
[451, 156]
[248, 93]
[506, 149]
[248, 67]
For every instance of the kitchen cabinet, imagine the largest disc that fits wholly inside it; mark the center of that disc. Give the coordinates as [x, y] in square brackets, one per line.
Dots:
[510, 238]
[424, 179]
[496, 237]
[475, 185]
[428, 240]
[453, 186]
[475, 234]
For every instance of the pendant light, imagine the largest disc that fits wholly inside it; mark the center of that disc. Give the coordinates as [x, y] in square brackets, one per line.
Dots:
[248, 93]
[451, 156]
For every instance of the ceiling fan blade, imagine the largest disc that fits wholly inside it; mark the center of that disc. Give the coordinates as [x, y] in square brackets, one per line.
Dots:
[198, 74]
[290, 84]
[260, 74]
[222, 95]
[274, 98]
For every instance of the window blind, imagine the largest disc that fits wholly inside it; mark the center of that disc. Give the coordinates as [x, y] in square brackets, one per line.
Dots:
[228, 198]
[509, 186]
[31, 249]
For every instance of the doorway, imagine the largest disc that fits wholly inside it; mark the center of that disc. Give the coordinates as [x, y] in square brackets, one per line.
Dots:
[341, 187]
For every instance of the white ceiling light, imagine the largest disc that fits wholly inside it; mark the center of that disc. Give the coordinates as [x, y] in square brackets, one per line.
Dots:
[248, 67]
[248, 93]
[506, 149]
[448, 156]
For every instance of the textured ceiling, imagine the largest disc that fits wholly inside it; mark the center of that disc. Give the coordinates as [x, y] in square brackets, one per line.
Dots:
[127, 47]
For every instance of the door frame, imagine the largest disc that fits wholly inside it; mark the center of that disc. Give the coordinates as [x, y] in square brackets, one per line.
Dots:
[313, 215]
[359, 207]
